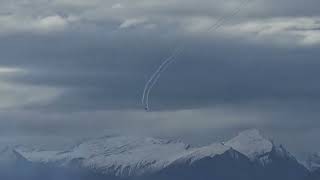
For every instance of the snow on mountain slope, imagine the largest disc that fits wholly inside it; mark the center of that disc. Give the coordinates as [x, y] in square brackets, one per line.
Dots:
[199, 153]
[313, 162]
[131, 156]
[251, 143]
[258, 148]
[124, 156]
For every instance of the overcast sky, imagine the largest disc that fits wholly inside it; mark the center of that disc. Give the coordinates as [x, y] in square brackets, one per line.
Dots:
[71, 68]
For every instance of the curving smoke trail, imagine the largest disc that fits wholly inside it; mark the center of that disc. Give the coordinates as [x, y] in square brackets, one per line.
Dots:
[149, 90]
[155, 79]
[154, 76]
[178, 51]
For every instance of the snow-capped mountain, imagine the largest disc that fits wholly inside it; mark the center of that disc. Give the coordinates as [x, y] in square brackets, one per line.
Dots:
[126, 156]
[257, 148]
[213, 162]
[122, 156]
[248, 156]
[252, 144]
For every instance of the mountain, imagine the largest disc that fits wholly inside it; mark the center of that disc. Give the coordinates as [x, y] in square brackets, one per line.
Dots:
[248, 156]
[273, 161]
[145, 158]
[252, 144]
[13, 166]
[313, 163]
[225, 163]
[120, 156]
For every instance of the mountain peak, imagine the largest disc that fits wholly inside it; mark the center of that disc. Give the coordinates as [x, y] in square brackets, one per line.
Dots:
[251, 143]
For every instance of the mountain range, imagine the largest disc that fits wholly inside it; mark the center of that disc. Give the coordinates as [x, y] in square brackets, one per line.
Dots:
[248, 156]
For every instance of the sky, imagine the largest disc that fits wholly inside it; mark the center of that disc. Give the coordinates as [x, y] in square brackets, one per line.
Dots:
[75, 68]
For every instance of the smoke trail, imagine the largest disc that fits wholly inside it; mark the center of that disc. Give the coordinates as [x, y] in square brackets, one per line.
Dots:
[149, 89]
[156, 75]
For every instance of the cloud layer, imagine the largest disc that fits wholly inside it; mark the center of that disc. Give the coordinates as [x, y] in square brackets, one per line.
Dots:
[65, 63]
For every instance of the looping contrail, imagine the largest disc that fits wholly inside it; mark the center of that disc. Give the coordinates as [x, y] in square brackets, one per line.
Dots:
[178, 51]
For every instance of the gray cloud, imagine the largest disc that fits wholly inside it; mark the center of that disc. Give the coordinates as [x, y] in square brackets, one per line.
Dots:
[74, 66]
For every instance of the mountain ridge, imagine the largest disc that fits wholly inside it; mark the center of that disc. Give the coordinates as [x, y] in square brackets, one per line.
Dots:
[130, 157]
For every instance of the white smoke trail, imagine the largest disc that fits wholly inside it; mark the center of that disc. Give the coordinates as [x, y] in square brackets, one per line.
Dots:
[156, 75]
[149, 89]
[155, 79]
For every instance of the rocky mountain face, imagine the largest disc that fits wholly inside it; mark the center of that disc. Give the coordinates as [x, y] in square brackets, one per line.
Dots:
[248, 156]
